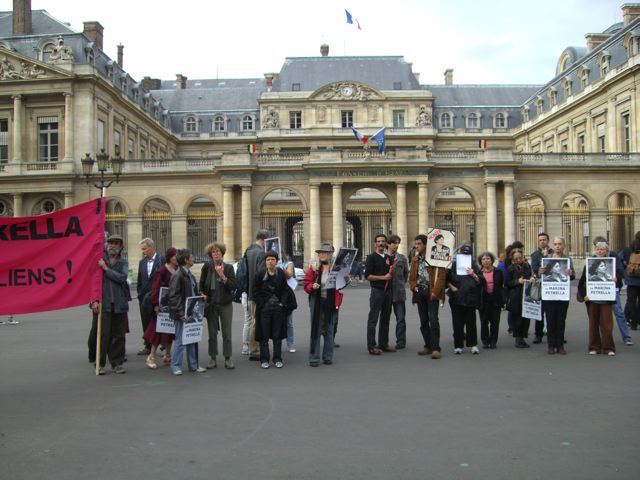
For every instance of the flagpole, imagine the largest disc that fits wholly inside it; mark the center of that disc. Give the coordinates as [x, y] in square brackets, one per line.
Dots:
[103, 194]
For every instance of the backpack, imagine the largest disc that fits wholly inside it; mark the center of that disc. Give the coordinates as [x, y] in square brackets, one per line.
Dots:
[242, 279]
[633, 267]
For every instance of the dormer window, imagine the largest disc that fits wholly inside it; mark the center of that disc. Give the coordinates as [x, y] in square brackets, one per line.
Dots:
[445, 120]
[473, 120]
[500, 120]
[552, 93]
[219, 124]
[583, 73]
[604, 60]
[566, 87]
[247, 123]
[46, 51]
[191, 124]
[632, 43]
[539, 105]
[524, 111]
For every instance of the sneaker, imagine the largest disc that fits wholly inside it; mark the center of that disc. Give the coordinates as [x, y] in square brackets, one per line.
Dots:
[245, 350]
[144, 351]
[628, 342]
[611, 354]
[212, 364]
[264, 365]
[119, 369]
[102, 371]
[475, 350]
[200, 370]
[562, 351]
[537, 339]
[228, 364]
[592, 352]
[457, 351]
[328, 362]
[436, 354]
[292, 349]
[177, 372]
[313, 364]
[279, 364]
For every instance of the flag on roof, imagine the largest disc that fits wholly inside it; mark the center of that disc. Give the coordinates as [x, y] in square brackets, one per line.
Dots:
[359, 136]
[379, 138]
[351, 20]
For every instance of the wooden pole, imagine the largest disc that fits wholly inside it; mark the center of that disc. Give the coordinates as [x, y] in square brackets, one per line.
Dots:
[99, 337]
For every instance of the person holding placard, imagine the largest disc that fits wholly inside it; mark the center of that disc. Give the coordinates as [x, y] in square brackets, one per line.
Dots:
[288, 267]
[519, 271]
[464, 300]
[555, 311]
[600, 312]
[630, 260]
[493, 297]
[160, 279]
[183, 285]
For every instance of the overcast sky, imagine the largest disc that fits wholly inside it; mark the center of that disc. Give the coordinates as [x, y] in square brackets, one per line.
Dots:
[484, 41]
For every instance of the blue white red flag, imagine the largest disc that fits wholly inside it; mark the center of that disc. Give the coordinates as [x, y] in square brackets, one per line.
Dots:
[359, 136]
[379, 138]
[351, 20]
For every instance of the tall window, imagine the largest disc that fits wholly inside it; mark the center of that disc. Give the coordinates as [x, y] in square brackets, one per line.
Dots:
[247, 122]
[101, 131]
[295, 119]
[626, 132]
[472, 120]
[584, 77]
[580, 142]
[566, 87]
[604, 60]
[191, 124]
[130, 148]
[116, 142]
[501, 121]
[48, 139]
[4, 140]
[347, 118]
[445, 120]
[602, 139]
[398, 119]
[218, 124]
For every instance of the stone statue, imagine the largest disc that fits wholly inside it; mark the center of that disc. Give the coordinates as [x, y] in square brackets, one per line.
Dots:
[61, 53]
[424, 117]
[271, 119]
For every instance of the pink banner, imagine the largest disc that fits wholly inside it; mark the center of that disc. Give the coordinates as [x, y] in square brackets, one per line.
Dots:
[50, 261]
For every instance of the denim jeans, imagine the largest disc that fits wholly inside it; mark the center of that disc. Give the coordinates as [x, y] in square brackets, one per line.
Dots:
[290, 331]
[400, 312]
[327, 322]
[176, 355]
[620, 319]
[247, 321]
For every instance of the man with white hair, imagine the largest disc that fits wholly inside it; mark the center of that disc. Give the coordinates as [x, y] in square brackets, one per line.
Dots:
[147, 268]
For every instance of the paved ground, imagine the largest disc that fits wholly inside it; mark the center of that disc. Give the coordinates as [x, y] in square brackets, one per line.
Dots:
[502, 414]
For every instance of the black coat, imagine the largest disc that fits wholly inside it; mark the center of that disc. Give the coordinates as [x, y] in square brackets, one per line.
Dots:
[514, 302]
[281, 294]
[499, 296]
[468, 294]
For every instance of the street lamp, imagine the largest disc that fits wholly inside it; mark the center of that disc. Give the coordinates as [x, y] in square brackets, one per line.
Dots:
[103, 160]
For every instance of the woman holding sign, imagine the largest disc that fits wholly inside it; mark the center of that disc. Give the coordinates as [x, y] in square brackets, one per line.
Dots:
[519, 271]
[599, 311]
[160, 279]
[555, 311]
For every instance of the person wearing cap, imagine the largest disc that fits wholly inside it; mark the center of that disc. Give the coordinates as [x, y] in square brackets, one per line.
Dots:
[464, 300]
[160, 279]
[147, 268]
[379, 273]
[115, 306]
[324, 302]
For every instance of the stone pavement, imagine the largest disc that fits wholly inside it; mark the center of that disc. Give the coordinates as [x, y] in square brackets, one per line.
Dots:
[503, 414]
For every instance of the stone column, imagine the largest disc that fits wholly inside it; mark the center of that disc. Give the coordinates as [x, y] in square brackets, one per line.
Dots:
[227, 221]
[17, 205]
[68, 199]
[134, 235]
[401, 215]
[492, 214]
[314, 220]
[18, 128]
[613, 121]
[509, 215]
[68, 126]
[338, 221]
[247, 217]
[423, 207]
[179, 229]
[635, 129]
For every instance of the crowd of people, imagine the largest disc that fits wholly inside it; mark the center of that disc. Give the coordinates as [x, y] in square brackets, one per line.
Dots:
[482, 287]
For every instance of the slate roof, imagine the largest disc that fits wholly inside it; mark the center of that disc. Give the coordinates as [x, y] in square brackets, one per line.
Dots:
[480, 95]
[41, 24]
[384, 73]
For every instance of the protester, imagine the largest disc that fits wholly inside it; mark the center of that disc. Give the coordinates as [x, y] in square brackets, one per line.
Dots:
[324, 302]
[519, 271]
[630, 255]
[217, 283]
[427, 286]
[379, 272]
[255, 262]
[274, 301]
[147, 268]
[289, 270]
[182, 286]
[160, 279]
[541, 252]
[555, 311]
[114, 305]
[493, 297]
[464, 299]
[398, 289]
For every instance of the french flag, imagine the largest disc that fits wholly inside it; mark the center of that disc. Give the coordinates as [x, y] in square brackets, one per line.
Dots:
[351, 20]
[359, 136]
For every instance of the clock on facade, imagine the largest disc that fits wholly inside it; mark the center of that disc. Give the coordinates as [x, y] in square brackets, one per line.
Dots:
[347, 90]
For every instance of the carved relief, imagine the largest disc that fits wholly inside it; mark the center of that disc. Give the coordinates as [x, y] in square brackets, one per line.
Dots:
[61, 53]
[9, 70]
[372, 112]
[347, 91]
[423, 119]
[322, 114]
[271, 119]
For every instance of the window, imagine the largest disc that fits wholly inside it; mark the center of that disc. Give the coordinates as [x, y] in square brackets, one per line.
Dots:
[626, 132]
[247, 122]
[552, 93]
[564, 146]
[116, 143]
[218, 124]
[584, 77]
[632, 43]
[295, 87]
[48, 139]
[347, 118]
[295, 119]
[445, 120]
[4, 140]
[604, 62]
[580, 145]
[191, 124]
[566, 87]
[398, 119]
[525, 113]
[143, 151]
[100, 138]
[473, 121]
[500, 120]
[397, 85]
[47, 49]
[602, 139]
[539, 105]
[131, 148]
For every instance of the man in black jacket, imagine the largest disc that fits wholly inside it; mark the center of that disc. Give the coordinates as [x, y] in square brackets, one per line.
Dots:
[543, 251]
[147, 268]
[255, 262]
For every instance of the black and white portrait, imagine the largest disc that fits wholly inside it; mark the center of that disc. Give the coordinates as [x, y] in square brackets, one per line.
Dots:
[194, 309]
[600, 269]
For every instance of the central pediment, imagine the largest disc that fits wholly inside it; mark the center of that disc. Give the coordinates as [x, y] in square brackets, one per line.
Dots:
[347, 90]
[18, 67]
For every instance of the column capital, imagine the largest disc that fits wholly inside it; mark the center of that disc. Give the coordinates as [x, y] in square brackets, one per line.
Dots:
[490, 182]
[245, 188]
[314, 185]
[67, 94]
[17, 97]
[401, 183]
[335, 184]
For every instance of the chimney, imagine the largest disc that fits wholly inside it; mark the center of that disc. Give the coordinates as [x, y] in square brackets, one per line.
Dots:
[22, 17]
[120, 51]
[95, 33]
[269, 78]
[595, 39]
[630, 11]
[181, 81]
[148, 83]
[448, 76]
[324, 50]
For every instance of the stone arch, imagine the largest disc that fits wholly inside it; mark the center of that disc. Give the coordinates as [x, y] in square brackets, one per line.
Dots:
[281, 213]
[202, 224]
[156, 222]
[115, 220]
[454, 208]
[46, 204]
[620, 216]
[6, 207]
[368, 213]
[576, 224]
[530, 219]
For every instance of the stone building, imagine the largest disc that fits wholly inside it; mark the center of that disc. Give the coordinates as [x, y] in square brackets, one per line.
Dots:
[212, 159]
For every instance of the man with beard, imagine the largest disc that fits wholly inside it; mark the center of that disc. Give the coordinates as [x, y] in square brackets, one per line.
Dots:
[115, 305]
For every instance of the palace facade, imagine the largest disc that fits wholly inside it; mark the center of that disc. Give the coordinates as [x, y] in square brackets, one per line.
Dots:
[218, 158]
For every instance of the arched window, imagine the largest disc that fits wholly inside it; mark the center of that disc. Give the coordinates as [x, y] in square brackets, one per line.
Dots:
[219, 125]
[566, 87]
[191, 124]
[500, 120]
[539, 105]
[247, 123]
[632, 43]
[46, 51]
[604, 60]
[445, 120]
[473, 120]
[552, 93]
[583, 73]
